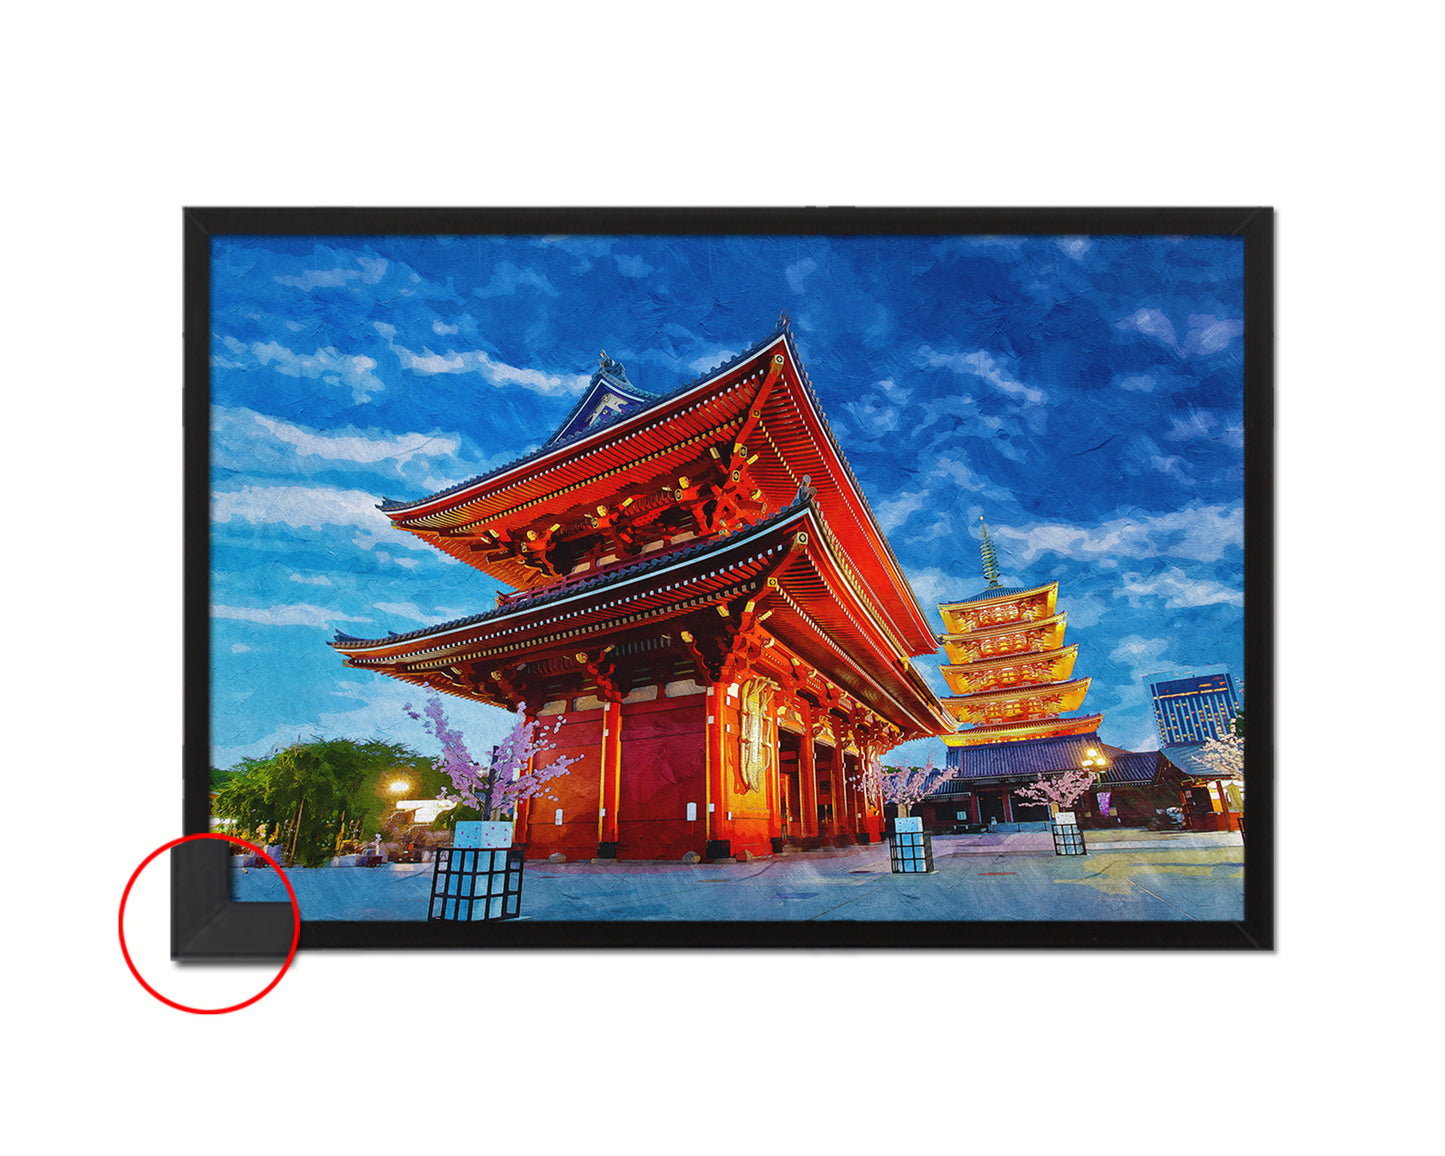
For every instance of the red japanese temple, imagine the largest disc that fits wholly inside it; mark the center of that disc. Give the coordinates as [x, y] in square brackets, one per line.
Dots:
[703, 599]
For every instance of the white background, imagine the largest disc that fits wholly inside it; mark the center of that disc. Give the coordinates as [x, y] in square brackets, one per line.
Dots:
[118, 115]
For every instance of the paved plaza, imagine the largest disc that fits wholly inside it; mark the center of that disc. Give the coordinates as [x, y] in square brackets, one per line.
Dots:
[1129, 875]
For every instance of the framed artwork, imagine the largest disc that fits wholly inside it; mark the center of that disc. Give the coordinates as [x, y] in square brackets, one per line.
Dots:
[770, 578]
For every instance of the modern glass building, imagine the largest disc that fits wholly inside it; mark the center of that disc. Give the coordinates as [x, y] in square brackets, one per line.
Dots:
[1191, 708]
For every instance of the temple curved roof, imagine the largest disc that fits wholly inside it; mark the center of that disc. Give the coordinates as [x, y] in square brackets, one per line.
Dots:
[643, 435]
[997, 592]
[525, 600]
[646, 401]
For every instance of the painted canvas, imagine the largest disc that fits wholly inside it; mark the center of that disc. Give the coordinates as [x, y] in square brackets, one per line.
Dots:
[843, 573]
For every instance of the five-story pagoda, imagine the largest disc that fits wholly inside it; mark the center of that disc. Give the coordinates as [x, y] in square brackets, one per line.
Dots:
[1008, 667]
[702, 599]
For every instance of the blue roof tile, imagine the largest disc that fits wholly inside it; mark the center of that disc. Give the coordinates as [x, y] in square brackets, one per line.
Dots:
[554, 591]
[1033, 757]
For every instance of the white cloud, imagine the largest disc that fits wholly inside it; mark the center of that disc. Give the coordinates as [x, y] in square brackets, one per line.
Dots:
[1151, 323]
[297, 614]
[1209, 334]
[311, 508]
[1205, 333]
[710, 361]
[366, 449]
[1074, 247]
[1141, 655]
[507, 278]
[239, 648]
[959, 476]
[311, 579]
[1178, 590]
[892, 514]
[1137, 382]
[370, 272]
[1199, 424]
[871, 418]
[984, 366]
[444, 329]
[353, 371]
[932, 586]
[1198, 533]
[412, 611]
[498, 373]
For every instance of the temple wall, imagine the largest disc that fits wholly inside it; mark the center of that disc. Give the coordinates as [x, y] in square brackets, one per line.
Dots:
[664, 767]
[577, 792]
[663, 770]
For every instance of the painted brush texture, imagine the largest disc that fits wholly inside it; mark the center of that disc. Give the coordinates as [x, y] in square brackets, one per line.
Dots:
[1083, 394]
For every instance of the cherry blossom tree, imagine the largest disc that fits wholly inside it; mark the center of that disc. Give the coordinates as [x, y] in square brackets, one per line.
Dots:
[1056, 791]
[509, 776]
[1224, 756]
[905, 786]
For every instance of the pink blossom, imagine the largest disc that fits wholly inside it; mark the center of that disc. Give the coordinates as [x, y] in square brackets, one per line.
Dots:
[511, 774]
[1056, 790]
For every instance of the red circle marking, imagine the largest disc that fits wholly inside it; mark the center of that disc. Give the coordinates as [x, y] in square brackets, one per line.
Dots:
[295, 929]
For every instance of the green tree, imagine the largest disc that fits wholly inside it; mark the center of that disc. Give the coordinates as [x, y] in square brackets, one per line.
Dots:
[306, 793]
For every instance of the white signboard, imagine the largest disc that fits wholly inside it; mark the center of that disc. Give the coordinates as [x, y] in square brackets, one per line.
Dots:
[911, 824]
[426, 809]
[479, 834]
[1065, 818]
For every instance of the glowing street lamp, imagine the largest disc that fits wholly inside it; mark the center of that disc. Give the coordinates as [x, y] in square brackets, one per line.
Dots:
[399, 787]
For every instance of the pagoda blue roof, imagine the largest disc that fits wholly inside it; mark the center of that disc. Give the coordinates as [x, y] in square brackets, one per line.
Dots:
[1045, 756]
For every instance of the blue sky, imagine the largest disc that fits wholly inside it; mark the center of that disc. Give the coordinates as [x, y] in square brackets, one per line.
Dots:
[1082, 393]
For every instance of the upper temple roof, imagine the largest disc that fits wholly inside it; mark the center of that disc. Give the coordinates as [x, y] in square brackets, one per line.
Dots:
[573, 428]
[621, 447]
[608, 395]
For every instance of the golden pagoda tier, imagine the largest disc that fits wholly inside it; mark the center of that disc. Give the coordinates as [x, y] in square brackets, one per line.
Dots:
[1018, 703]
[1041, 636]
[1007, 664]
[1010, 670]
[1018, 732]
[1002, 607]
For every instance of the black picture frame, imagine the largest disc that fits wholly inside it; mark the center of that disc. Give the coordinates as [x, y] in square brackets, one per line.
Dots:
[208, 924]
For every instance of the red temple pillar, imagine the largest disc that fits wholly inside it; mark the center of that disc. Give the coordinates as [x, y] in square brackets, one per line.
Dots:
[611, 786]
[808, 774]
[774, 779]
[717, 825]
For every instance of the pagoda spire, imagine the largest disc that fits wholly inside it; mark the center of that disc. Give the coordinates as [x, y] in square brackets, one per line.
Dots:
[990, 558]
